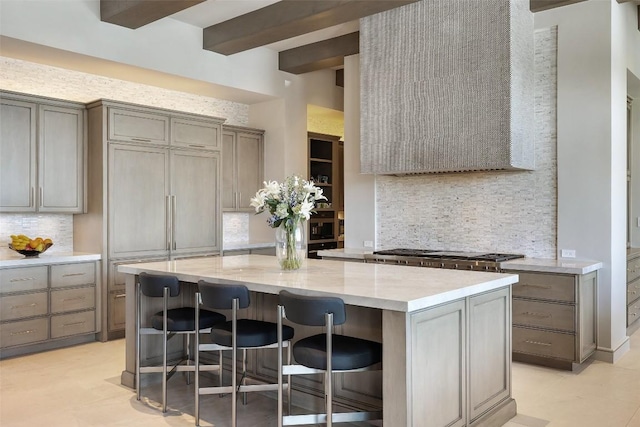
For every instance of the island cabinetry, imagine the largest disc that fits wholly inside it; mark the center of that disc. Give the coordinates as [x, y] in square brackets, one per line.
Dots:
[42, 165]
[554, 318]
[242, 170]
[633, 291]
[47, 306]
[459, 362]
[155, 192]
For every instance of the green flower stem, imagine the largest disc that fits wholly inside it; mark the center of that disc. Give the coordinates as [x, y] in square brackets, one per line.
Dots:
[291, 261]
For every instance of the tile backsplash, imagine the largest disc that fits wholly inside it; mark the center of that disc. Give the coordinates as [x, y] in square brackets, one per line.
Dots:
[235, 227]
[58, 227]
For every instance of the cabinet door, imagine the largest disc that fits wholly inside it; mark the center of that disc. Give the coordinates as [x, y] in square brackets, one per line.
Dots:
[17, 156]
[438, 366]
[198, 134]
[138, 126]
[228, 171]
[61, 159]
[249, 167]
[489, 350]
[138, 201]
[194, 201]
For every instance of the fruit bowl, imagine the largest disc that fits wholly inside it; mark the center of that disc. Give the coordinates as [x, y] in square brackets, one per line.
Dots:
[31, 253]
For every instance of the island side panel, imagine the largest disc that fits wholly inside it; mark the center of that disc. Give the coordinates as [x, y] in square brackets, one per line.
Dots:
[127, 378]
[396, 368]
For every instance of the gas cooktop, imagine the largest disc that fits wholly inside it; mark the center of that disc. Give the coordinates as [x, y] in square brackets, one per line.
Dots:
[435, 254]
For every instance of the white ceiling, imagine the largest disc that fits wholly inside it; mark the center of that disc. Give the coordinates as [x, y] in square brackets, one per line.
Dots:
[212, 12]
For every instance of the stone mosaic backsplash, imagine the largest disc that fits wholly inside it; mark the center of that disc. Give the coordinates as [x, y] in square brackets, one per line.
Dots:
[235, 227]
[514, 212]
[58, 227]
[37, 79]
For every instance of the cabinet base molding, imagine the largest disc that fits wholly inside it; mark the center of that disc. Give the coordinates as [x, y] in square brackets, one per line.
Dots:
[497, 416]
[532, 359]
[612, 356]
[46, 345]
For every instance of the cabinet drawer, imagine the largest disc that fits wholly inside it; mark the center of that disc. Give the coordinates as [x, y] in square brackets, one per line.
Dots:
[195, 134]
[544, 315]
[544, 343]
[73, 299]
[21, 306]
[23, 279]
[24, 332]
[72, 324]
[633, 312]
[633, 269]
[137, 126]
[545, 286]
[633, 290]
[73, 274]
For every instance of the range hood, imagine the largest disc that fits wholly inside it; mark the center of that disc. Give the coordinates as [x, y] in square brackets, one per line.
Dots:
[447, 86]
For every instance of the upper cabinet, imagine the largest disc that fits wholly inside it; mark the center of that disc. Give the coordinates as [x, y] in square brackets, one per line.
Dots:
[136, 126]
[42, 160]
[242, 166]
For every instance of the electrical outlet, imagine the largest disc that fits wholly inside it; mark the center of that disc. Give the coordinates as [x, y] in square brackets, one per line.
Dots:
[568, 253]
[367, 244]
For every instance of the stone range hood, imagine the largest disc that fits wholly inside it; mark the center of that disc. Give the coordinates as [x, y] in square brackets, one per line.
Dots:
[447, 86]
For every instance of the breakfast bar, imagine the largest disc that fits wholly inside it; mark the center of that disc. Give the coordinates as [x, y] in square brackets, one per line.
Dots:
[446, 334]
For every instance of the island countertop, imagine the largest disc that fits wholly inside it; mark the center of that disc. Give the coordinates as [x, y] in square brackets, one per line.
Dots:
[388, 287]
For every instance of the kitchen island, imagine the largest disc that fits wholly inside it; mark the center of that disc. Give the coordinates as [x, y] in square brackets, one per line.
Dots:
[446, 334]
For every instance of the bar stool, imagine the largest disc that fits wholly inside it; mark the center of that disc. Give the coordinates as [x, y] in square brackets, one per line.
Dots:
[168, 323]
[234, 335]
[324, 353]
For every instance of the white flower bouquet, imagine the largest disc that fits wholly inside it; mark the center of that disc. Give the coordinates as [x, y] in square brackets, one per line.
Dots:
[289, 203]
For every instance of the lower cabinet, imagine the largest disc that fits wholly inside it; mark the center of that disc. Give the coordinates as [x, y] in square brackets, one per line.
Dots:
[252, 251]
[554, 318]
[42, 305]
[633, 291]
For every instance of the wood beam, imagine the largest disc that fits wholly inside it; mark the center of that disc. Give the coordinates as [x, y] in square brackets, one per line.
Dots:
[286, 19]
[540, 5]
[136, 13]
[317, 56]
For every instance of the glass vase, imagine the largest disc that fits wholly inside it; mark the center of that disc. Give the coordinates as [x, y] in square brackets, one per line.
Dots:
[290, 245]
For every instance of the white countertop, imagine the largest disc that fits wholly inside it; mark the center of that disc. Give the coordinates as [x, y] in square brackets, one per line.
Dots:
[17, 260]
[234, 246]
[561, 266]
[397, 288]
[345, 253]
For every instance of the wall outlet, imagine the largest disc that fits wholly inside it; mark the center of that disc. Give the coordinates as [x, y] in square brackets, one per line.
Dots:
[367, 244]
[568, 253]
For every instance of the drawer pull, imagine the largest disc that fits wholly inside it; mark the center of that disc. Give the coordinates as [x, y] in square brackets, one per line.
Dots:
[74, 299]
[33, 304]
[28, 331]
[538, 315]
[74, 324]
[141, 139]
[24, 279]
[73, 274]
[197, 146]
[537, 286]
[120, 296]
[546, 344]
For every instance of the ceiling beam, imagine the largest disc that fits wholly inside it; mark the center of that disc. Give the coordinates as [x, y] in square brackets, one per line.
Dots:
[540, 5]
[317, 56]
[286, 19]
[136, 13]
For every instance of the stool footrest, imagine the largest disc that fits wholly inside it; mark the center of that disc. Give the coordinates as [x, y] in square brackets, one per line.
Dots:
[338, 417]
[303, 370]
[241, 388]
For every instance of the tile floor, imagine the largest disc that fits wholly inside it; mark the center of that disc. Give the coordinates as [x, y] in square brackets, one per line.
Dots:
[80, 386]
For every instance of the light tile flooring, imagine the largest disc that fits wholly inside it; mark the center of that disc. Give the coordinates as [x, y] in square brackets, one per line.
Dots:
[80, 386]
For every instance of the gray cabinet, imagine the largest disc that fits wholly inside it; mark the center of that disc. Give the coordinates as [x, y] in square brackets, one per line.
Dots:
[42, 148]
[48, 306]
[154, 176]
[242, 174]
[554, 318]
[633, 291]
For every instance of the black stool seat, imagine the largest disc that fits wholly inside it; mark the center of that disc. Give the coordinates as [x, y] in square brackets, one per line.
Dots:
[184, 319]
[251, 333]
[348, 352]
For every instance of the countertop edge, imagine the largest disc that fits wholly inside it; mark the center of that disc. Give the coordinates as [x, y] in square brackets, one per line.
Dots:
[49, 259]
[552, 266]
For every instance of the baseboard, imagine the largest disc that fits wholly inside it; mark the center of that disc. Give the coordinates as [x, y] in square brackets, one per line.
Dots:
[612, 356]
[498, 416]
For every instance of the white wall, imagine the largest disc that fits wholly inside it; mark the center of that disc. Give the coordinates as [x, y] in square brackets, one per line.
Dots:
[592, 58]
